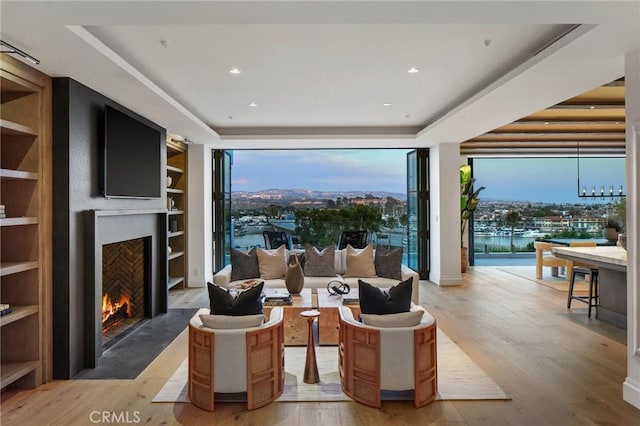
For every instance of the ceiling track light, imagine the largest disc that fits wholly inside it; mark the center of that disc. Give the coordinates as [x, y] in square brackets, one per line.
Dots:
[15, 50]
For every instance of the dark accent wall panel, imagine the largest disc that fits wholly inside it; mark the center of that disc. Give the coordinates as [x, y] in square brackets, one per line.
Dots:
[78, 115]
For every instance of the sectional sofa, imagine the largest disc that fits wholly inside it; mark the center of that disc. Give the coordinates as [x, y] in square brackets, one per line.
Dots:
[347, 265]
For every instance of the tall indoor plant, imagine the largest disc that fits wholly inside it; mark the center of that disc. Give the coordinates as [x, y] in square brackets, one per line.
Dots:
[468, 203]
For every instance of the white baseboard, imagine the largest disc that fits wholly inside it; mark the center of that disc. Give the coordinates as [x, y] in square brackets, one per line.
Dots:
[196, 283]
[631, 392]
[445, 281]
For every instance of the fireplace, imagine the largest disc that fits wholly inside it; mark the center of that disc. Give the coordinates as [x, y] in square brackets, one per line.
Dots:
[125, 281]
[125, 263]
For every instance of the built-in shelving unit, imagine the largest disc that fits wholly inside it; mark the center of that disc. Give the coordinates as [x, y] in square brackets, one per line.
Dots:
[25, 193]
[177, 214]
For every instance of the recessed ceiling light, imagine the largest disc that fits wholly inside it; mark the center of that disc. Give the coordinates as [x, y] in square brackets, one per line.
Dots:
[235, 70]
[253, 105]
[387, 104]
[413, 70]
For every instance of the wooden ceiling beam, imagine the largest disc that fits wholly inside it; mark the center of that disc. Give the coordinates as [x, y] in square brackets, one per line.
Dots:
[546, 144]
[536, 152]
[594, 121]
[576, 133]
[568, 121]
[589, 105]
[552, 136]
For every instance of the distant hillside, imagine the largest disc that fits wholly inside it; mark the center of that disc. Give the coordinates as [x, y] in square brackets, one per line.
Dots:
[308, 194]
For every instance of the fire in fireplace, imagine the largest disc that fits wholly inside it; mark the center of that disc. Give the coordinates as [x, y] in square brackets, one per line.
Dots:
[123, 287]
[113, 313]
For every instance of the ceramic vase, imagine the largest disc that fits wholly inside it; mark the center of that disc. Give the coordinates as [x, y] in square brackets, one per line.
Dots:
[294, 277]
[610, 234]
[463, 259]
[622, 240]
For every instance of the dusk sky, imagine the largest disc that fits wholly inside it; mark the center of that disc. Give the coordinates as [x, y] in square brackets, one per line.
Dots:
[546, 179]
[323, 170]
[534, 179]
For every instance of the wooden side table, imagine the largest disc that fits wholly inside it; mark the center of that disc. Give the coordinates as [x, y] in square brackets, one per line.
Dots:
[310, 366]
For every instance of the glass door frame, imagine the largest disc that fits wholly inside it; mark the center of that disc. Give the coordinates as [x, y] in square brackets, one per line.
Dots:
[418, 205]
[222, 163]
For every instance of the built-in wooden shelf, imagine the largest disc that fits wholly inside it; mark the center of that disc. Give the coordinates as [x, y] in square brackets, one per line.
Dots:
[175, 255]
[12, 371]
[25, 259]
[17, 221]
[12, 86]
[175, 169]
[177, 219]
[17, 174]
[174, 281]
[10, 128]
[17, 313]
[8, 268]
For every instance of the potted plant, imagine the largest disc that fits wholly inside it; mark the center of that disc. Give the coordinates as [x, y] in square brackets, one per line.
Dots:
[468, 203]
[610, 229]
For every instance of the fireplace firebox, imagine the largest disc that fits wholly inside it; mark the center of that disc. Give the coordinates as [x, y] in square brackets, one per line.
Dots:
[125, 281]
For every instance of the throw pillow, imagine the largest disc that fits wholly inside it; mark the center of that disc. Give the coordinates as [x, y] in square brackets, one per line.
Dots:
[319, 263]
[402, 319]
[375, 301]
[360, 262]
[388, 262]
[229, 322]
[248, 302]
[244, 265]
[271, 263]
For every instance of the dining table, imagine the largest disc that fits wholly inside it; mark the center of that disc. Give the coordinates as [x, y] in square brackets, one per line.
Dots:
[611, 262]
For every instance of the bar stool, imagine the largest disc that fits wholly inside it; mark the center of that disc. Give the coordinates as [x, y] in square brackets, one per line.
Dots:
[593, 287]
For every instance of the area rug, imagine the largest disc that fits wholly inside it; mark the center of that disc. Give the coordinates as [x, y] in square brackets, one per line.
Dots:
[557, 283]
[459, 378]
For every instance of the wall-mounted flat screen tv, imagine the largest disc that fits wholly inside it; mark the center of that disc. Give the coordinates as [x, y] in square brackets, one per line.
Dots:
[132, 157]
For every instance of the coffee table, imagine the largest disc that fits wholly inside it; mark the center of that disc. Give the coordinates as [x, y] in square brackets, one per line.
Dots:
[295, 326]
[328, 320]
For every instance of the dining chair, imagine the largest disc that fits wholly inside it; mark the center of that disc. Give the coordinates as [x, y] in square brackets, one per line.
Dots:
[274, 239]
[356, 239]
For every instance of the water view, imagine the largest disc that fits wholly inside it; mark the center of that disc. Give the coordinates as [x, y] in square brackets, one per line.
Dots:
[503, 209]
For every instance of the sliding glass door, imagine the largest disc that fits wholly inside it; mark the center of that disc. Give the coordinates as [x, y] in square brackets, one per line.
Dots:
[418, 212]
[222, 229]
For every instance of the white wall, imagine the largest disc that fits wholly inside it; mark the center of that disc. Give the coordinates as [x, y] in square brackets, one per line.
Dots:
[199, 227]
[444, 186]
[631, 387]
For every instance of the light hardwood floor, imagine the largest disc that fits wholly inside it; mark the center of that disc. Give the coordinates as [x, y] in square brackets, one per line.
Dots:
[559, 367]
